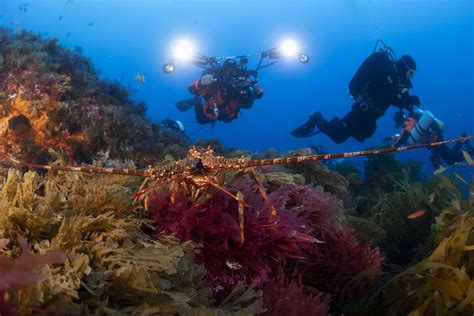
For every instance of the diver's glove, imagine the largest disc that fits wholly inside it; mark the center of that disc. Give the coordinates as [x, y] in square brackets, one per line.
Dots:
[413, 100]
[399, 117]
[308, 128]
[410, 101]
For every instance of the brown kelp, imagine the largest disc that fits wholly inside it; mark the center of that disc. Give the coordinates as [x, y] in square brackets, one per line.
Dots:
[441, 284]
[381, 214]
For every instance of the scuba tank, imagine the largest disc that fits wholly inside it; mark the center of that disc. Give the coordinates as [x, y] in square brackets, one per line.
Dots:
[416, 127]
[421, 127]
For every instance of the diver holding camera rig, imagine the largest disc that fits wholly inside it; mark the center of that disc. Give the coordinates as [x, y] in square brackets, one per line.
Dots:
[226, 85]
[225, 89]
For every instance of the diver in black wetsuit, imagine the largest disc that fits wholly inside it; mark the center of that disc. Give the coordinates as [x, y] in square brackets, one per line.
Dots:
[380, 82]
[450, 155]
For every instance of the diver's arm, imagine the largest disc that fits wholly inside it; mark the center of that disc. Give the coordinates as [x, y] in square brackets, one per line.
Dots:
[194, 88]
[405, 101]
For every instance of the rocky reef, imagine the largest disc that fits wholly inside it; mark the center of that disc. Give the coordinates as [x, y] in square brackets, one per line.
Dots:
[51, 97]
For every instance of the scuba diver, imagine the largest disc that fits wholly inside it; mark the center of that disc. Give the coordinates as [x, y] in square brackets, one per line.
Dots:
[380, 81]
[225, 89]
[226, 85]
[176, 126]
[421, 127]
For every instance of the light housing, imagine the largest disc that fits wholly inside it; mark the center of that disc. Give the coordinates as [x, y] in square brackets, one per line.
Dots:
[303, 58]
[168, 68]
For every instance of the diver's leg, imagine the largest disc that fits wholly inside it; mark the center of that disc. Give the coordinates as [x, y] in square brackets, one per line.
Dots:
[363, 130]
[359, 124]
[447, 154]
[457, 147]
[469, 147]
[336, 129]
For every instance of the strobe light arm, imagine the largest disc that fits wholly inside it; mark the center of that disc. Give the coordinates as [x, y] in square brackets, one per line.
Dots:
[198, 59]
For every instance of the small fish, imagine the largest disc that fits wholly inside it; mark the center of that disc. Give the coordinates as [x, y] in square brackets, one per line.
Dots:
[68, 34]
[90, 24]
[140, 78]
[416, 214]
[60, 18]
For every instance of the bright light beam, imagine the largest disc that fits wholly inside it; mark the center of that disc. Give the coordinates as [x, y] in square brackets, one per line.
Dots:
[288, 48]
[183, 50]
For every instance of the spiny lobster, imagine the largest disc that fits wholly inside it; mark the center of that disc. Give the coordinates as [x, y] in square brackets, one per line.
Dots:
[200, 171]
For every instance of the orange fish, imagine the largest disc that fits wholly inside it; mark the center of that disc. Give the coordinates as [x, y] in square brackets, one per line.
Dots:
[416, 214]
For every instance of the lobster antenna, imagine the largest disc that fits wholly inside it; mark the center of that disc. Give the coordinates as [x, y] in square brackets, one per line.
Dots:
[292, 160]
[85, 169]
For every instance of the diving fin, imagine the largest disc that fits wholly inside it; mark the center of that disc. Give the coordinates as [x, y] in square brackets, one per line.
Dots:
[308, 128]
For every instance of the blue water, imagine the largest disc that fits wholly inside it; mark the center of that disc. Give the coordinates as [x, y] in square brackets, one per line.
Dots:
[124, 38]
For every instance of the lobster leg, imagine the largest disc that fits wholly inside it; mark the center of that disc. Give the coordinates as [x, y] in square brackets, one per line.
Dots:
[139, 194]
[239, 198]
[215, 185]
[262, 191]
[241, 218]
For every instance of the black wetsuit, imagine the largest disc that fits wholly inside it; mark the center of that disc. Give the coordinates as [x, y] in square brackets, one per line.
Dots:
[375, 87]
[450, 155]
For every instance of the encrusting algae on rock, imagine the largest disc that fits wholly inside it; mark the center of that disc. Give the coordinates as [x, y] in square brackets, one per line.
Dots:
[52, 97]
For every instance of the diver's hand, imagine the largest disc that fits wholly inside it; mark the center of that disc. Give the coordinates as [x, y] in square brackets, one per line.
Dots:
[399, 118]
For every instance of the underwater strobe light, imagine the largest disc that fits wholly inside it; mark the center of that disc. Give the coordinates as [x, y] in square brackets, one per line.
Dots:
[181, 51]
[288, 48]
